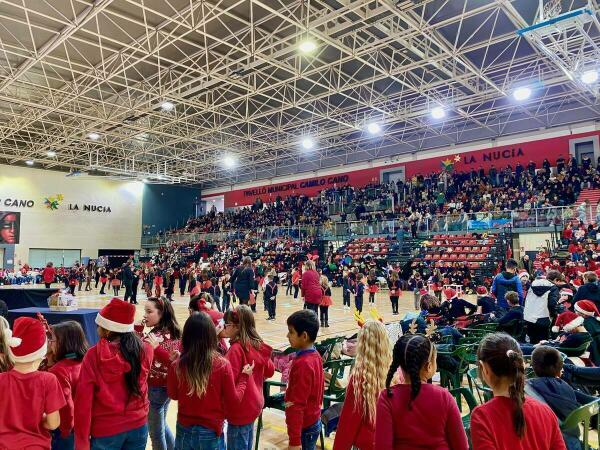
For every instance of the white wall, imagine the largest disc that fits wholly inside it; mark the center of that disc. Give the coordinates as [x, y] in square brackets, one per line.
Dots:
[530, 242]
[65, 228]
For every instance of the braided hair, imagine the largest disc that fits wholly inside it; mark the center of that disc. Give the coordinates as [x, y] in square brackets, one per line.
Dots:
[503, 356]
[410, 353]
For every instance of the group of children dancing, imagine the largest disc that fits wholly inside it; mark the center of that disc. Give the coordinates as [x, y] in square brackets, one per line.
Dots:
[116, 393]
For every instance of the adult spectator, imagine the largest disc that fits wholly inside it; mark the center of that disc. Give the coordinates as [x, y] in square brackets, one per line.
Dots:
[505, 281]
[540, 306]
[311, 286]
[589, 290]
[127, 278]
[243, 280]
[527, 264]
[48, 275]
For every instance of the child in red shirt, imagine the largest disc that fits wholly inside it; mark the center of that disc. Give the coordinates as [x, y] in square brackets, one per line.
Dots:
[165, 337]
[202, 382]
[247, 347]
[304, 393]
[67, 349]
[356, 426]
[416, 414]
[31, 400]
[111, 403]
[533, 425]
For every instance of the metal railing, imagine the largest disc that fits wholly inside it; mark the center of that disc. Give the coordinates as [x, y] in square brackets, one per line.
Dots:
[443, 223]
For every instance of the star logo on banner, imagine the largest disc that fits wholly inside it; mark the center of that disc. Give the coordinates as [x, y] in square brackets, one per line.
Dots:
[54, 201]
[447, 165]
[456, 158]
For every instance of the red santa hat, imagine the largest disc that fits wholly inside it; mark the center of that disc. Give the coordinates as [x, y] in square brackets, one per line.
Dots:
[587, 308]
[565, 292]
[27, 342]
[450, 293]
[205, 307]
[567, 321]
[118, 316]
[482, 290]
[524, 274]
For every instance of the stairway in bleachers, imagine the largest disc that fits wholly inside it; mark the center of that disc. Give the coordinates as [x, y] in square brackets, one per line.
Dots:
[591, 197]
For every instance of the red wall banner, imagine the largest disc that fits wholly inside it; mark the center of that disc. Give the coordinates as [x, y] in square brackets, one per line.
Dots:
[500, 157]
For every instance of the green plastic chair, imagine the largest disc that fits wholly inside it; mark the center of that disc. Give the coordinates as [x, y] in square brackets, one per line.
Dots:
[460, 394]
[576, 351]
[463, 354]
[326, 347]
[514, 328]
[583, 416]
[336, 369]
[484, 393]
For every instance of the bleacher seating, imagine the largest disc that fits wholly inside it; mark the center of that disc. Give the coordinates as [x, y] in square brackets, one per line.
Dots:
[376, 246]
[445, 250]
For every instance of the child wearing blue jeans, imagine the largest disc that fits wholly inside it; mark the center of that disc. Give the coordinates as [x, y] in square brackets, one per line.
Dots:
[304, 393]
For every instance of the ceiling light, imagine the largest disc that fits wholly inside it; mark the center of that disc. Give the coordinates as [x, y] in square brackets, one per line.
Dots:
[167, 106]
[51, 153]
[29, 162]
[522, 93]
[307, 46]
[374, 128]
[438, 112]
[229, 161]
[589, 76]
[308, 143]
[93, 136]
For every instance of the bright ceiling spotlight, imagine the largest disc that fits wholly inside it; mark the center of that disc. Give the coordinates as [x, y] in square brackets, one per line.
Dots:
[229, 161]
[93, 136]
[167, 106]
[307, 46]
[29, 162]
[438, 112]
[522, 93]
[589, 76]
[308, 143]
[374, 128]
[51, 153]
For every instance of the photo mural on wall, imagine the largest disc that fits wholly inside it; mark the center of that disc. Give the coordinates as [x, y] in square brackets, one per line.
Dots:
[10, 225]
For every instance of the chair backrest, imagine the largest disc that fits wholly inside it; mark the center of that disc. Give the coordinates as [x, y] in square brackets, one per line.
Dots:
[577, 351]
[335, 368]
[583, 415]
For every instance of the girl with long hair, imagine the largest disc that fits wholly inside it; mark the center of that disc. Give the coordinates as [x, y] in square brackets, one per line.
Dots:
[202, 382]
[326, 301]
[247, 348]
[165, 337]
[395, 291]
[111, 404]
[68, 346]
[6, 362]
[356, 427]
[408, 414]
[532, 425]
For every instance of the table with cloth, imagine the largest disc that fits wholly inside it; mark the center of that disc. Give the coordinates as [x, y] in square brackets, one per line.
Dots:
[85, 317]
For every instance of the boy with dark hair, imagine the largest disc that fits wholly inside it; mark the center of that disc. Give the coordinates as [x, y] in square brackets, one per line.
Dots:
[505, 281]
[548, 388]
[512, 321]
[304, 393]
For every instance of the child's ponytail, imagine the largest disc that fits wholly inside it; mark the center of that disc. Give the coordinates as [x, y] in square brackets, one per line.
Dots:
[517, 391]
[503, 356]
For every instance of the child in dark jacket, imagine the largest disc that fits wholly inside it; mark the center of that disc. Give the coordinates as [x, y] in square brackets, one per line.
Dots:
[359, 292]
[270, 296]
[548, 388]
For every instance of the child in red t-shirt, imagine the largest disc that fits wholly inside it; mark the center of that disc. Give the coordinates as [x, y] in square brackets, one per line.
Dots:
[67, 349]
[533, 425]
[203, 384]
[247, 347]
[304, 393]
[356, 427]
[31, 400]
[408, 414]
